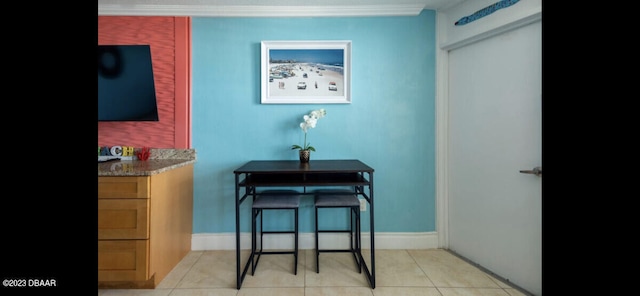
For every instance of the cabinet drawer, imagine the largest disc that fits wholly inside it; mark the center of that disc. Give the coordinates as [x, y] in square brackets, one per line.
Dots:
[123, 187]
[123, 218]
[125, 260]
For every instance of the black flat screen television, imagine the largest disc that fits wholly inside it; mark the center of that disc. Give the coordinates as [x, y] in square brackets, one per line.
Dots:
[126, 90]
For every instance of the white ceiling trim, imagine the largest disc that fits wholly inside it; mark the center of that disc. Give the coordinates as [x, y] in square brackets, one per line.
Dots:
[259, 11]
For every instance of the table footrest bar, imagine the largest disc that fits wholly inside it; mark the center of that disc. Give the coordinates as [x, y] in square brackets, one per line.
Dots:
[337, 251]
[244, 271]
[274, 252]
[370, 278]
[354, 252]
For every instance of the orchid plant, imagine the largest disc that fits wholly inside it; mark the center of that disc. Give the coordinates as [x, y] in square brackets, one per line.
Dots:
[310, 121]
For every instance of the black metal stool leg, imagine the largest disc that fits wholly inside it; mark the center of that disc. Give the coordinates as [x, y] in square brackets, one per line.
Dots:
[254, 216]
[317, 249]
[295, 266]
[358, 239]
[351, 239]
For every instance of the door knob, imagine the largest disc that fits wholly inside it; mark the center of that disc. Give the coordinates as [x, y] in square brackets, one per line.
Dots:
[536, 171]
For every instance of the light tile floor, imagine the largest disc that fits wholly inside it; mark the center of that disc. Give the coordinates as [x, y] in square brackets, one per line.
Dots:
[428, 272]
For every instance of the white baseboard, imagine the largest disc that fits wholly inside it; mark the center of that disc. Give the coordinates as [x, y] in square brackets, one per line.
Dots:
[384, 240]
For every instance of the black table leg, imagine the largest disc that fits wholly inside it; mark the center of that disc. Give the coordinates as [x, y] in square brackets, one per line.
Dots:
[238, 279]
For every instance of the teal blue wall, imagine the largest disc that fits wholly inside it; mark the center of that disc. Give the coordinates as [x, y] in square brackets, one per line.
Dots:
[390, 124]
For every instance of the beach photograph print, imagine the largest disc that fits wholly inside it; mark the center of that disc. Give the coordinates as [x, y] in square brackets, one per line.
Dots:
[305, 72]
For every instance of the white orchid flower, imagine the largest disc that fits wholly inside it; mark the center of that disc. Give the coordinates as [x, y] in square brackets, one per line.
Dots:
[310, 121]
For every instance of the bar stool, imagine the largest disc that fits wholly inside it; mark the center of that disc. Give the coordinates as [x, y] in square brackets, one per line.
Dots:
[339, 198]
[274, 200]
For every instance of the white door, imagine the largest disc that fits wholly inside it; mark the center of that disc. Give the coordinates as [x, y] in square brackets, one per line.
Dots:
[495, 131]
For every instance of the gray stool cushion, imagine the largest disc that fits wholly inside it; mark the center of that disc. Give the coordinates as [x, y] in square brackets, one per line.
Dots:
[277, 199]
[336, 198]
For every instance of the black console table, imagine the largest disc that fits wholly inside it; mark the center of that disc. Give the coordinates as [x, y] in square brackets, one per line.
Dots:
[293, 173]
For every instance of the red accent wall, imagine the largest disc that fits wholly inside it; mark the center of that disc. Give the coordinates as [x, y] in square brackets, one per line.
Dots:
[170, 39]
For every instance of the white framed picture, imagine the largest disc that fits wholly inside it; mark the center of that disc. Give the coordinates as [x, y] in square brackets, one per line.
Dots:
[306, 72]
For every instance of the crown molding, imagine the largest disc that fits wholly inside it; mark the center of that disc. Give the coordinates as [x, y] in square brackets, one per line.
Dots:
[259, 11]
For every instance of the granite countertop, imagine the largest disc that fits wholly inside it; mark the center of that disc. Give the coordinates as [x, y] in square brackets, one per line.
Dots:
[161, 160]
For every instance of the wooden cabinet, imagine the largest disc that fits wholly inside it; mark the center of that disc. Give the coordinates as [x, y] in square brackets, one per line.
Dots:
[144, 227]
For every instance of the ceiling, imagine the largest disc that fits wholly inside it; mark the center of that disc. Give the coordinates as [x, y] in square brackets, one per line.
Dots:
[270, 8]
